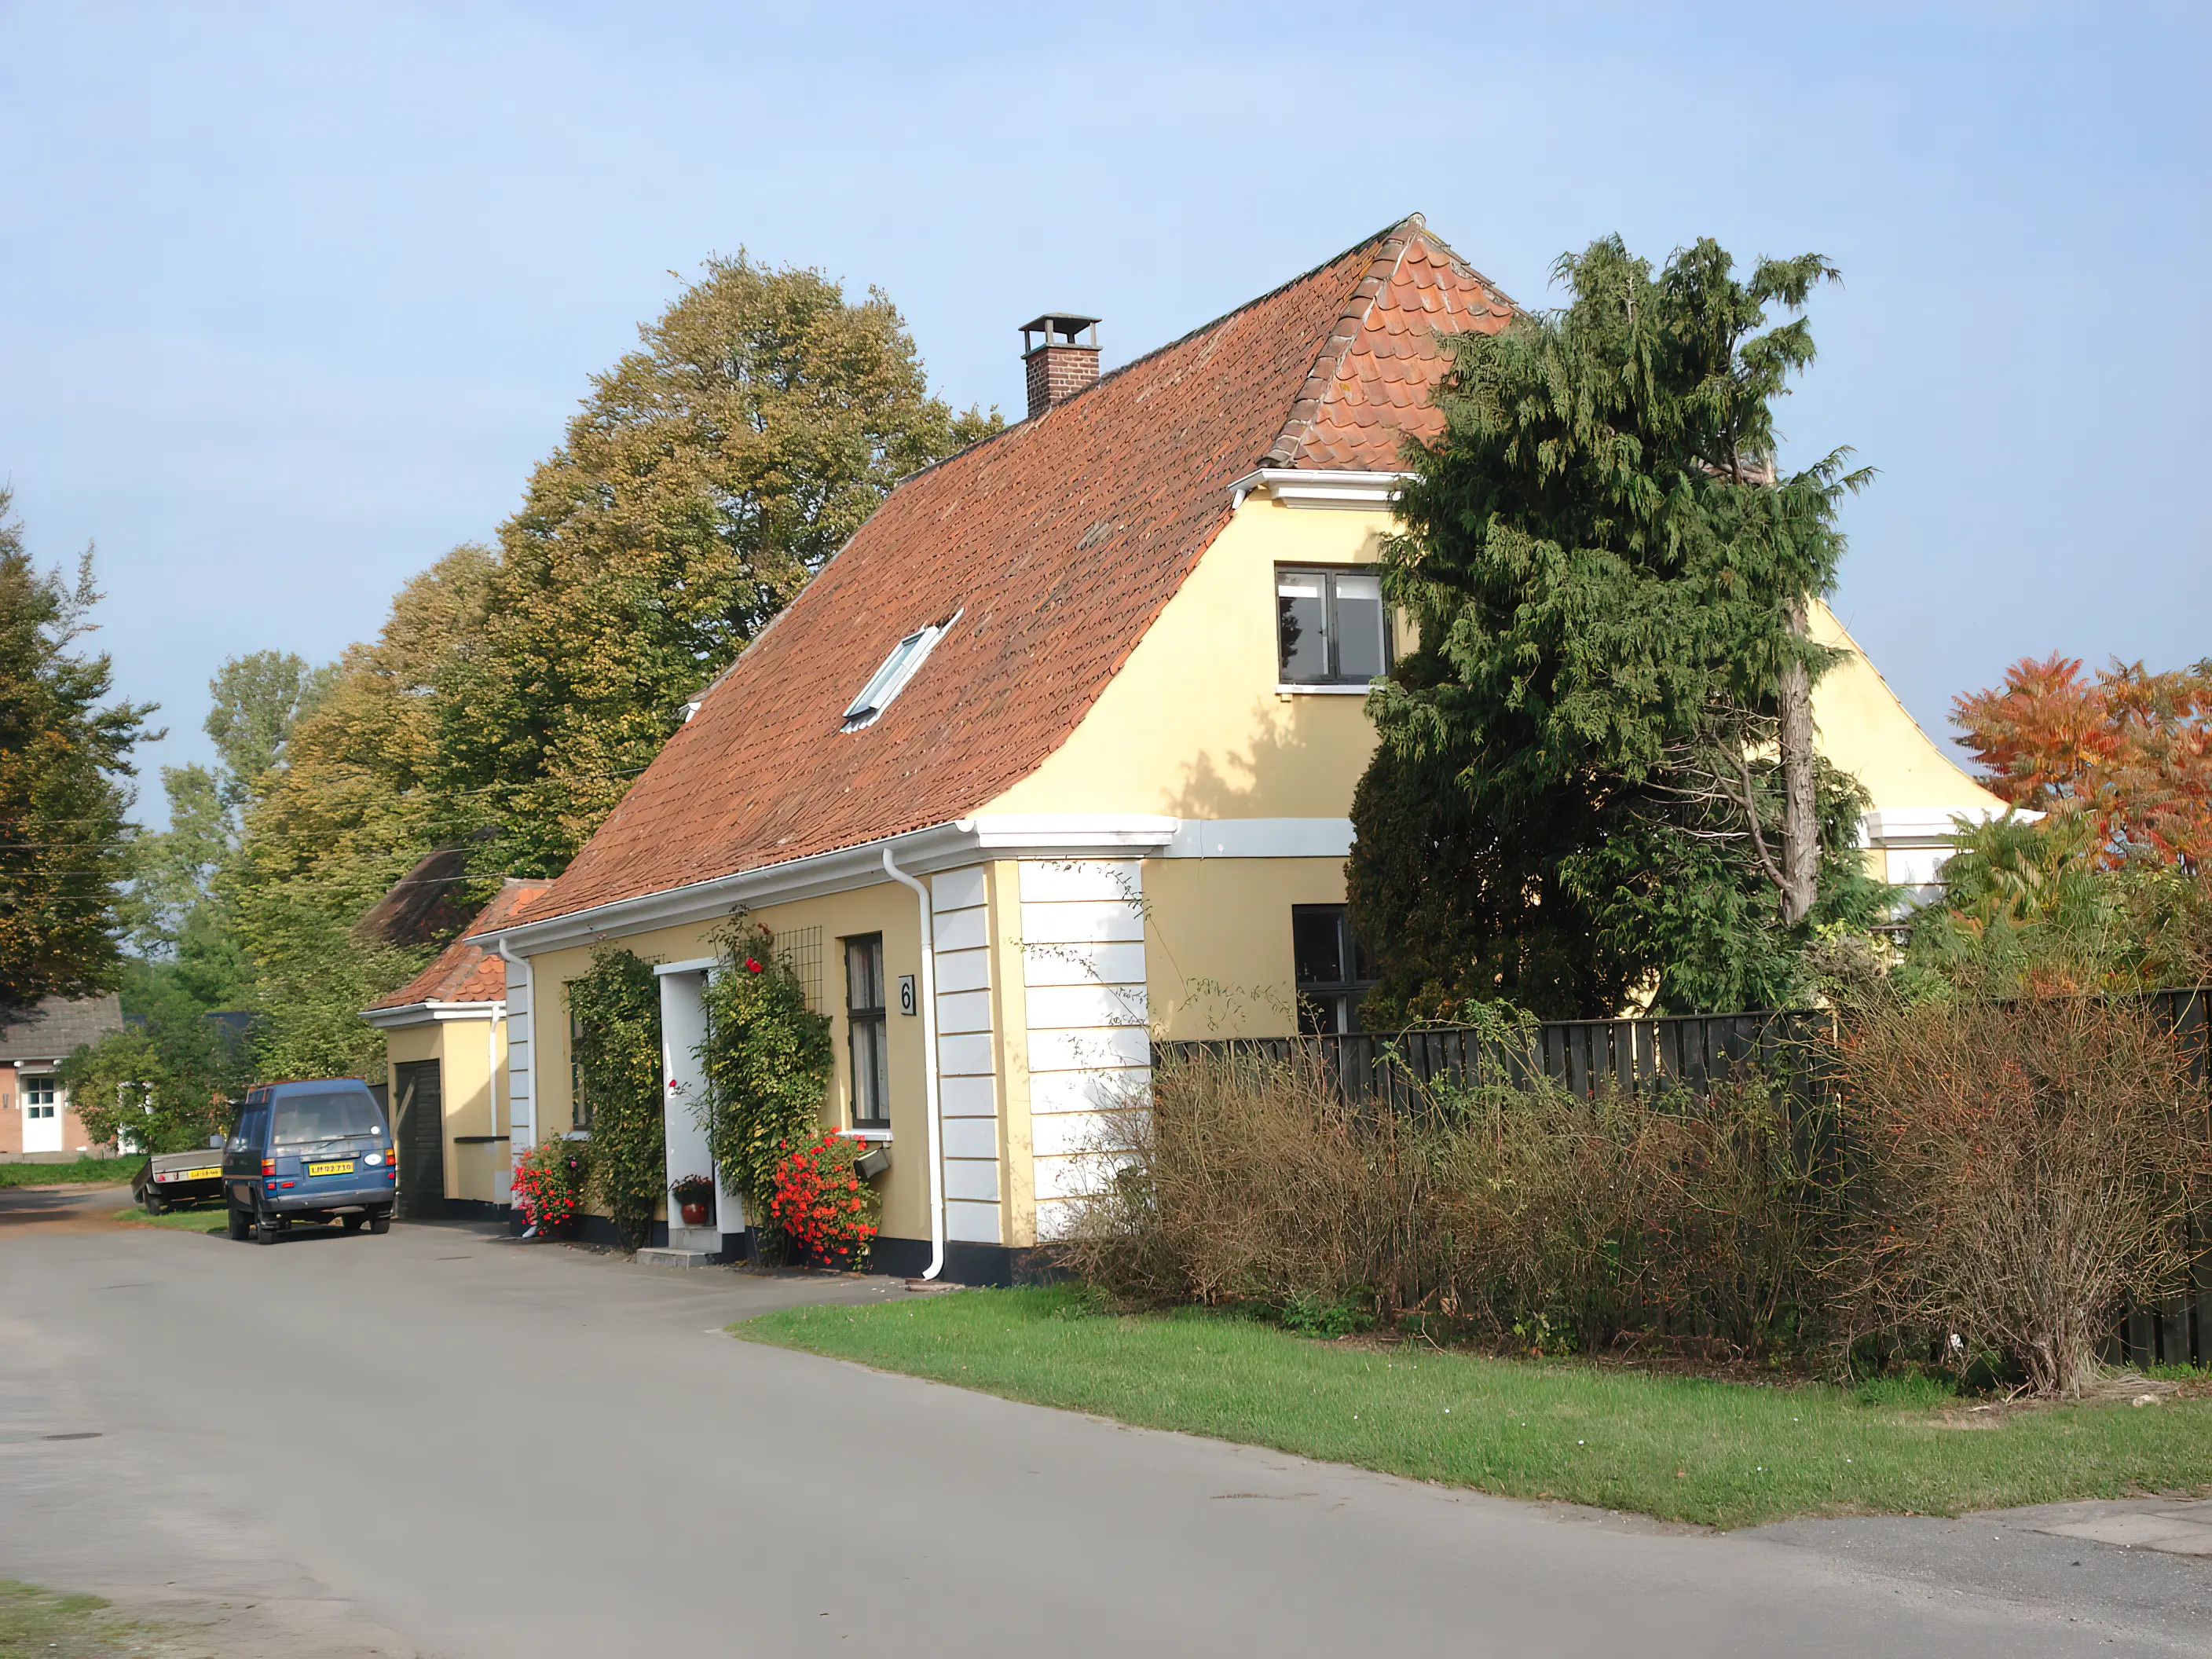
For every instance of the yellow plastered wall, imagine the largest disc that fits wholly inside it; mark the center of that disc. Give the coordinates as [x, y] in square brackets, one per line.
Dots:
[470, 1067]
[1218, 942]
[1865, 730]
[883, 907]
[1193, 726]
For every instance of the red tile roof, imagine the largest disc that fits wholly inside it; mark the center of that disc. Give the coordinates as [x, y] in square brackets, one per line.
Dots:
[464, 972]
[1056, 543]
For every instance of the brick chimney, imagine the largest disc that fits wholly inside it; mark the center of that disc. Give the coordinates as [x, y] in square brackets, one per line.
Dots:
[1059, 364]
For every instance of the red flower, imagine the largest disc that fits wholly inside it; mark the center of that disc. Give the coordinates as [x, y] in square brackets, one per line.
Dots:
[752, 967]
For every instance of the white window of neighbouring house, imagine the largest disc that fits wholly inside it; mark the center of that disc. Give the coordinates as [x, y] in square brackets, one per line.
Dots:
[1331, 968]
[38, 1097]
[887, 682]
[1331, 627]
[864, 1019]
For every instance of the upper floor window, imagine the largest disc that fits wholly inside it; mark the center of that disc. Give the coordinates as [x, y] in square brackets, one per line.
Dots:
[1331, 628]
[864, 1021]
[1332, 969]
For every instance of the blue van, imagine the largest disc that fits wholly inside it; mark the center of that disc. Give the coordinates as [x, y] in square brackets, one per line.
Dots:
[309, 1152]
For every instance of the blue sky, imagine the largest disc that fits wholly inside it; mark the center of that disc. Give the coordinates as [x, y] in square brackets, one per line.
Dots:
[292, 298]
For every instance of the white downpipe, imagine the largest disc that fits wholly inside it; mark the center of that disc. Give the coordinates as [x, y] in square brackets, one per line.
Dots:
[928, 1065]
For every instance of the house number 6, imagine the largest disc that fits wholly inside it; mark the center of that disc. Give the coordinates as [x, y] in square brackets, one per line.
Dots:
[906, 993]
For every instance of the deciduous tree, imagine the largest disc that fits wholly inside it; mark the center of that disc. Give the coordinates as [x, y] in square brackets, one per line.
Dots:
[709, 475]
[2128, 751]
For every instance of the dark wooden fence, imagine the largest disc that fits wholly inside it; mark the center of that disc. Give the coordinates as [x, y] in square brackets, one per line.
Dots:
[1694, 1052]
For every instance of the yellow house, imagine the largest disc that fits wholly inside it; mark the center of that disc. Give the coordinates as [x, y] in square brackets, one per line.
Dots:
[444, 1038]
[1057, 756]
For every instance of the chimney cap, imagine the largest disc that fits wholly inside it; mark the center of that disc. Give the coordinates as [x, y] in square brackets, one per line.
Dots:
[1067, 324]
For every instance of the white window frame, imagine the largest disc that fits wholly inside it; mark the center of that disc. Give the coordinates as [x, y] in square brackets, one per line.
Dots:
[904, 662]
[1332, 680]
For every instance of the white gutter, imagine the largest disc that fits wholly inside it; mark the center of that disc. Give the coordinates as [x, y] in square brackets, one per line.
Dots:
[938, 847]
[928, 1066]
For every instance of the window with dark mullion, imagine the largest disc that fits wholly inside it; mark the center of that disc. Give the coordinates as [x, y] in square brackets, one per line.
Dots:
[1330, 967]
[863, 1020]
[1331, 627]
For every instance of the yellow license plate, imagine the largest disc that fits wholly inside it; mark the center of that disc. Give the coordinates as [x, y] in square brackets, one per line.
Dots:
[199, 1175]
[346, 1168]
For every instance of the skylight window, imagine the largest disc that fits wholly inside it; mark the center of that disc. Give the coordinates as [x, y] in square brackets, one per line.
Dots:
[887, 682]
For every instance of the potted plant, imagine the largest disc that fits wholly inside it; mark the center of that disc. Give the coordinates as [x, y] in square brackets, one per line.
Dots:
[695, 1198]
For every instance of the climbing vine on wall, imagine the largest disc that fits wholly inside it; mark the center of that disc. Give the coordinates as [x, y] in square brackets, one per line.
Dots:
[617, 1011]
[769, 1062]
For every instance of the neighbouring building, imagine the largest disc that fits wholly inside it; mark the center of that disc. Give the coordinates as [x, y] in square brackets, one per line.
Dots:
[37, 1119]
[444, 1038]
[1057, 756]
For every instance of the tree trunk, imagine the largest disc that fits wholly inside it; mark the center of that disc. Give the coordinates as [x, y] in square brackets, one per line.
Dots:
[1801, 821]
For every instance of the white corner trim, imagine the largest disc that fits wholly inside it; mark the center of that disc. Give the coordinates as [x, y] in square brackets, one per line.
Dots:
[1297, 486]
[426, 1013]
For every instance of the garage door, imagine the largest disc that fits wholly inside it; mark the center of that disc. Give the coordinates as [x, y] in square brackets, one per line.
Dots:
[419, 1125]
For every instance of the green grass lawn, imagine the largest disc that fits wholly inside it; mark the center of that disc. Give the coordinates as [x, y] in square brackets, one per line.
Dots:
[1728, 1455]
[205, 1218]
[38, 1622]
[101, 1171]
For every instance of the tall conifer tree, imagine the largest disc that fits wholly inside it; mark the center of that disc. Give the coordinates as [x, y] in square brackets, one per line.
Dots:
[1596, 770]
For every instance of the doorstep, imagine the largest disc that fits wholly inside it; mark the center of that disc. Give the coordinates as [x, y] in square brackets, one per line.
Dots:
[666, 1257]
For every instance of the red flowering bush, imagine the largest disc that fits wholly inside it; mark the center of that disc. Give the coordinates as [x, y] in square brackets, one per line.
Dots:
[820, 1203]
[550, 1183]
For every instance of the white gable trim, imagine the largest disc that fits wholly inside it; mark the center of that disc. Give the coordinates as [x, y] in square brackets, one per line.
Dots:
[425, 1014]
[1298, 486]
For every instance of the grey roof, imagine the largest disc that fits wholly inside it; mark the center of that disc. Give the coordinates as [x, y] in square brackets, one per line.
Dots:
[53, 1030]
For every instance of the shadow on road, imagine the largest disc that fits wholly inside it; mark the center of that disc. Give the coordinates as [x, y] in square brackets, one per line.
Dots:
[64, 1206]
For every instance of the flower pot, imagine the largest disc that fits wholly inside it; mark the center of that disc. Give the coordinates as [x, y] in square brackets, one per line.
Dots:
[694, 1215]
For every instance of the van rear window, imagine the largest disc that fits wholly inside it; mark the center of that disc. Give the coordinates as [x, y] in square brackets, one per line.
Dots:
[326, 1117]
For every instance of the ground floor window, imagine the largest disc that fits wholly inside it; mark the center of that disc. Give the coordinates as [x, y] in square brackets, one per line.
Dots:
[38, 1097]
[1332, 967]
[863, 1020]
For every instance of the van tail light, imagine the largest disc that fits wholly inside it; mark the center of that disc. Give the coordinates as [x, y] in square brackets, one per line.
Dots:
[269, 1166]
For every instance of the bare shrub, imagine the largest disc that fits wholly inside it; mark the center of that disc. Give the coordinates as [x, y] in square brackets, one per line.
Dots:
[2019, 1167]
[1634, 1215]
[1251, 1180]
[1526, 1213]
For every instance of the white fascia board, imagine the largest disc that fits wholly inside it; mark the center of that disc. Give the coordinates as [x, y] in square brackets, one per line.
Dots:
[1069, 834]
[922, 852]
[1047, 835]
[427, 1013]
[1925, 826]
[1262, 838]
[1298, 486]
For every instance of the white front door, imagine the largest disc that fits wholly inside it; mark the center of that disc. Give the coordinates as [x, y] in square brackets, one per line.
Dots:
[42, 1114]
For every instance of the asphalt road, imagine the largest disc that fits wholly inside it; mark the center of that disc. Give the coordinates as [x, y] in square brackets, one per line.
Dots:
[443, 1442]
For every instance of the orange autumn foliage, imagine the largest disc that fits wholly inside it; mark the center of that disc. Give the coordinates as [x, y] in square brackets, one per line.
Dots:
[2127, 750]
